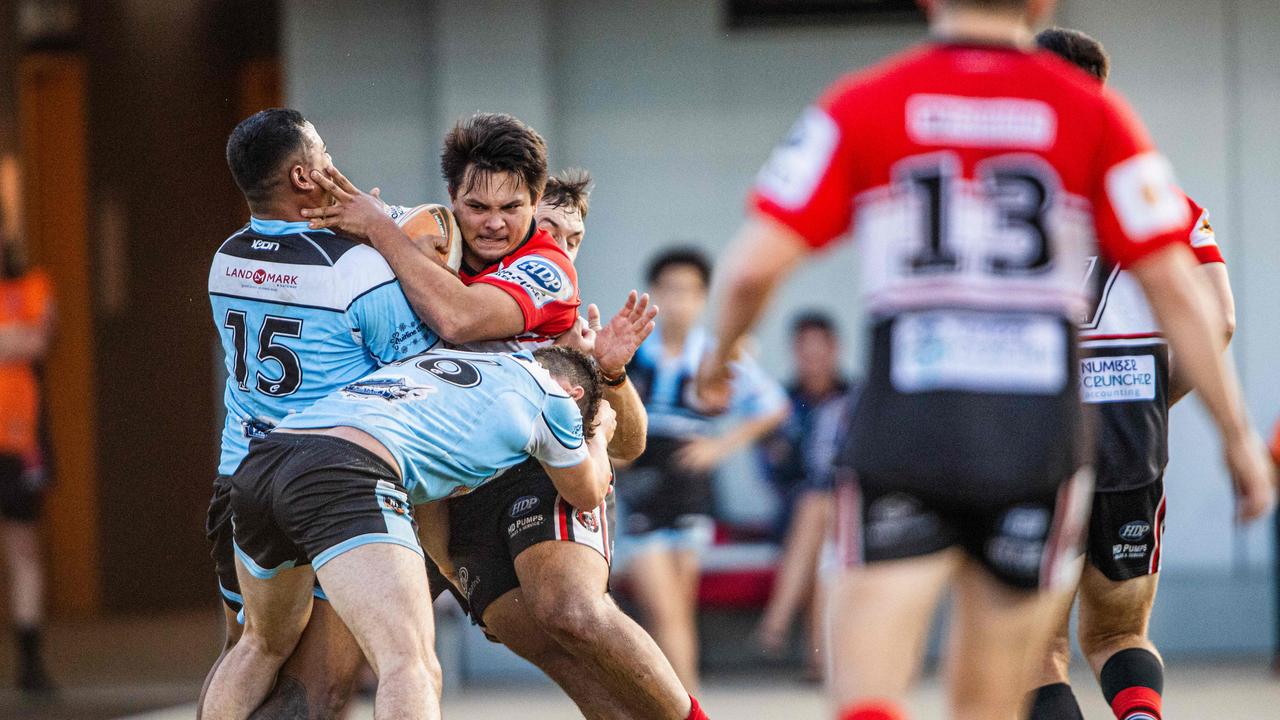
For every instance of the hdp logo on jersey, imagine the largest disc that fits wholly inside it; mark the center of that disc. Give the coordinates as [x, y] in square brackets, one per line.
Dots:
[543, 273]
[1135, 530]
[542, 279]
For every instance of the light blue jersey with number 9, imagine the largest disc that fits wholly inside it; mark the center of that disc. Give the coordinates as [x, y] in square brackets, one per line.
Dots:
[454, 420]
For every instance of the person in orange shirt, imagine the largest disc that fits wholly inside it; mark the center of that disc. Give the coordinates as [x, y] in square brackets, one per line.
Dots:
[26, 314]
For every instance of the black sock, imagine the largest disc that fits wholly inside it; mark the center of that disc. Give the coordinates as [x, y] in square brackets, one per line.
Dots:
[1134, 667]
[28, 638]
[1133, 682]
[1055, 702]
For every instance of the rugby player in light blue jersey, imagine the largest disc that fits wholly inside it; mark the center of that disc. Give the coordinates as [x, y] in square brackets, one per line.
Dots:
[300, 313]
[329, 493]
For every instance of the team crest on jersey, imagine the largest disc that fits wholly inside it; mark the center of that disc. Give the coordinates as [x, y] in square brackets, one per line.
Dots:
[387, 389]
[542, 279]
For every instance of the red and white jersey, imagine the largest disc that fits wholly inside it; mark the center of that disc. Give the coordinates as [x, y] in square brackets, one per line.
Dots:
[976, 179]
[1119, 313]
[540, 277]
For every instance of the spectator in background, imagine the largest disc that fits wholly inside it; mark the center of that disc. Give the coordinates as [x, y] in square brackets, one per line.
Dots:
[799, 458]
[26, 317]
[668, 491]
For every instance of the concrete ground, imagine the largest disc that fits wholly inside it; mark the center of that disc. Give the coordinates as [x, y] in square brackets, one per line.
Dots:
[1202, 692]
[151, 668]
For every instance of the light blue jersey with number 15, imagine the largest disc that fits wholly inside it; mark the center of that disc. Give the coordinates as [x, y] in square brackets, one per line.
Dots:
[300, 314]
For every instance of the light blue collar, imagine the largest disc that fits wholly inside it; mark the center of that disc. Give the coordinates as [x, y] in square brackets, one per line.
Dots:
[281, 227]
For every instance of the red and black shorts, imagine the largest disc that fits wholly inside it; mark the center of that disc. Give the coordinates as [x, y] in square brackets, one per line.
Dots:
[1029, 543]
[1126, 531]
[491, 526]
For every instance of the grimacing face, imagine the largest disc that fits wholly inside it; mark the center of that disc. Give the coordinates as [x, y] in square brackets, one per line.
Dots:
[563, 223]
[494, 211]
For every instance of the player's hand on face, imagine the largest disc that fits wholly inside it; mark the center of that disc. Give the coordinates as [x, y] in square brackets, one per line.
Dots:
[617, 342]
[701, 455]
[1253, 475]
[353, 212]
[606, 420]
[580, 337]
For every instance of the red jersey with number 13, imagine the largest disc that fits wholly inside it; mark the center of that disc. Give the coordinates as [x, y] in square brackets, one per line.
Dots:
[974, 175]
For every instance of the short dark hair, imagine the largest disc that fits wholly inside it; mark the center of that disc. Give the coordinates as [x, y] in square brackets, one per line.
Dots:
[687, 256]
[569, 187]
[813, 320]
[1078, 49]
[493, 142]
[578, 369]
[259, 145]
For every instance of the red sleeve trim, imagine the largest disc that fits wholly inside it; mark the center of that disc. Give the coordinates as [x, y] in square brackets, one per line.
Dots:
[771, 210]
[1208, 254]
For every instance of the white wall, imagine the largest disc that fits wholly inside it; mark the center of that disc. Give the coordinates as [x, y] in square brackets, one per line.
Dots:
[673, 114]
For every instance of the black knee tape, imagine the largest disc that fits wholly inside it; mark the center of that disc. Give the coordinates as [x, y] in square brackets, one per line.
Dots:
[1134, 667]
[1055, 702]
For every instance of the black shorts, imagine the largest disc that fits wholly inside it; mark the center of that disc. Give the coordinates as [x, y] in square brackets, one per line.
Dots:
[660, 493]
[1126, 531]
[217, 528]
[1127, 386]
[21, 490]
[491, 526]
[1027, 543]
[986, 447]
[299, 499]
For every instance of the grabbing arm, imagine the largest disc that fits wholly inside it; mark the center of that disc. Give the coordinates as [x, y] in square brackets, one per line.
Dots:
[458, 313]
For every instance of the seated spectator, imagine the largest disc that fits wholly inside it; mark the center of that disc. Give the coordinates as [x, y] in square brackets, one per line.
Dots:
[799, 458]
[667, 493]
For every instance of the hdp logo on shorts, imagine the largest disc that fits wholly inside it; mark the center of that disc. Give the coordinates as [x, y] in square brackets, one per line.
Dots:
[523, 506]
[1135, 530]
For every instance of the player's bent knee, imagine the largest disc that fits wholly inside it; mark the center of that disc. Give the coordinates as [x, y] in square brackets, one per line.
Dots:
[570, 616]
[275, 648]
[423, 672]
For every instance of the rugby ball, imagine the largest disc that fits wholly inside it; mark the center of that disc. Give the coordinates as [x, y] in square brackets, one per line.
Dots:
[425, 223]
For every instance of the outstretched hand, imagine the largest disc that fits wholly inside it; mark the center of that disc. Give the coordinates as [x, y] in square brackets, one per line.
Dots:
[618, 341]
[354, 212]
